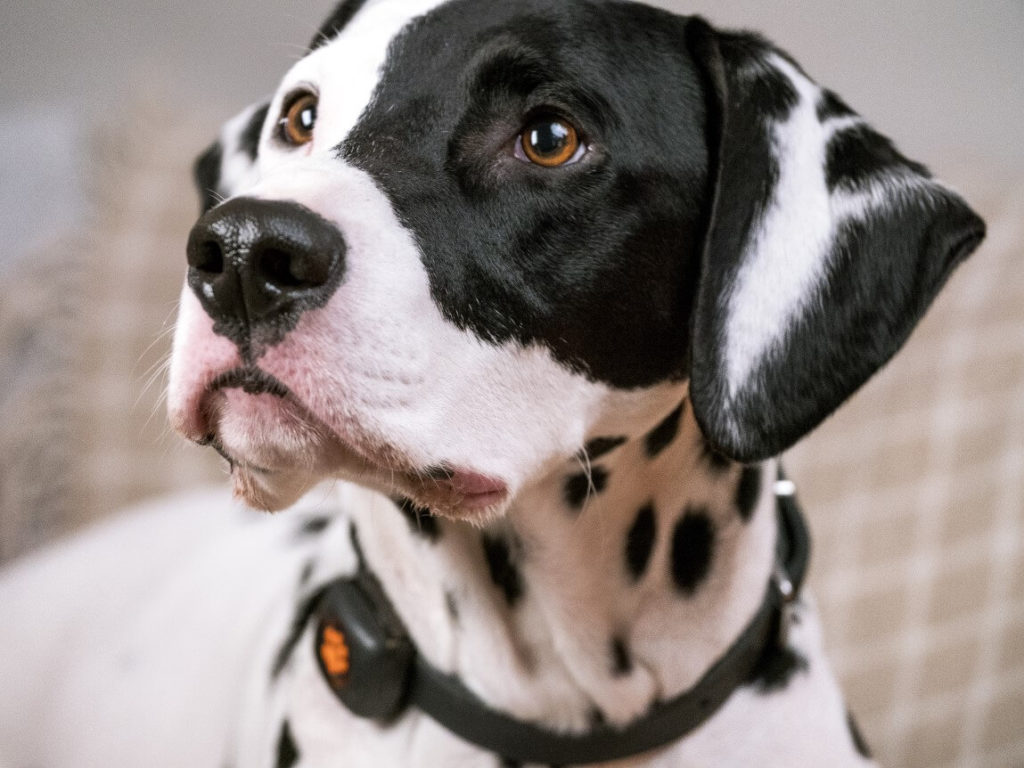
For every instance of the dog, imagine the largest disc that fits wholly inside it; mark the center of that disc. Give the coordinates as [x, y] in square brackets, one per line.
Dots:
[550, 286]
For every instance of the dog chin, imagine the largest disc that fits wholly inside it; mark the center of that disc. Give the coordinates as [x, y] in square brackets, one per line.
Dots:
[278, 451]
[269, 491]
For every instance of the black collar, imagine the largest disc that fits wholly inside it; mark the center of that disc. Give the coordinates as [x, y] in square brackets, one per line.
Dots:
[372, 666]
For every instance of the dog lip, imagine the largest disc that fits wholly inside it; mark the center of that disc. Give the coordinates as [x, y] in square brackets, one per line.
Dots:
[252, 381]
[212, 441]
[471, 490]
[473, 484]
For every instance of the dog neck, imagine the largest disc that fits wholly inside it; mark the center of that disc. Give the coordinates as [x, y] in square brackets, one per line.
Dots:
[615, 581]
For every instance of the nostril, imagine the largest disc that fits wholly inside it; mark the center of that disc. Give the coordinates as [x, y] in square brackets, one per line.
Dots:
[207, 257]
[283, 269]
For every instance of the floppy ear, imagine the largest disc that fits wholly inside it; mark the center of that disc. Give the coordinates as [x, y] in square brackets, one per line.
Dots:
[228, 166]
[824, 247]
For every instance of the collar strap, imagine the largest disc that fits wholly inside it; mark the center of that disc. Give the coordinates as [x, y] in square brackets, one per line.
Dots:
[372, 666]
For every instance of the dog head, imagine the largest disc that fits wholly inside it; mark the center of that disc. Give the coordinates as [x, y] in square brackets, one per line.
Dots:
[464, 237]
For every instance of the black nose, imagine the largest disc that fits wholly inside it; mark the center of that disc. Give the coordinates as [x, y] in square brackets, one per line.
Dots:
[257, 265]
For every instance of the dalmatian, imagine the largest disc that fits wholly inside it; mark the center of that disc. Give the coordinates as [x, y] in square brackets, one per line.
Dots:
[515, 305]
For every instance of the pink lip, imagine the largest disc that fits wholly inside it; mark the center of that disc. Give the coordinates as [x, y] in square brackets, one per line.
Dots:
[477, 491]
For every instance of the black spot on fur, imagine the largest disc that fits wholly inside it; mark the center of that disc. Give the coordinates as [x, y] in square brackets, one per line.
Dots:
[287, 752]
[716, 462]
[622, 662]
[503, 571]
[693, 542]
[421, 520]
[776, 668]
[599, 446]
[249, 141]
[596, 718]
[748, 491]
[313, 525]
[830, 105]
[640, 541]
[452, 606]
[336, 22]
[659, 438]
[859, 743]
[579, 487]
[855, 155]
[206, 174]
[307, 572]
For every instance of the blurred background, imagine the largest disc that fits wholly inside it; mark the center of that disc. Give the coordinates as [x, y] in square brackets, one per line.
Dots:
[915, 489]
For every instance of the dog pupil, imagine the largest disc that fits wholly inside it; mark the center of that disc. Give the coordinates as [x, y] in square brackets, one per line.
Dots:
[549, 138]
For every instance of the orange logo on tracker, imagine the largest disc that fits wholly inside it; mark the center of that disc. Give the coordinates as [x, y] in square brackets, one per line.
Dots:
[334, 651]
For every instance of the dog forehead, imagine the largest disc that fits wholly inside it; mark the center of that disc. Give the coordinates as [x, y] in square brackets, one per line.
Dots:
[347, 65]
[432, 45]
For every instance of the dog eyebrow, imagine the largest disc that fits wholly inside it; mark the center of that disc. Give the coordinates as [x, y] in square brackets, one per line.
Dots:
[516, 70]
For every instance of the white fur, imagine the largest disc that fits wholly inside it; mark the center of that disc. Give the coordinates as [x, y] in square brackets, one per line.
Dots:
[237, 172]
[168, 622]
[351, 67]
[785, 261]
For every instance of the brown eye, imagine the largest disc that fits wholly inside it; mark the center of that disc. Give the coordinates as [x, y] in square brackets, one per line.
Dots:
[550, 142]
[299, 119]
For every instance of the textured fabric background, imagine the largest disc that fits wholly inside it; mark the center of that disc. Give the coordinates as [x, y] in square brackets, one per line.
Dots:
[914, 490]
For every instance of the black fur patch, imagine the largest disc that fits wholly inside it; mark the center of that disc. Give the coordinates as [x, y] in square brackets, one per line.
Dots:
[857, 154]
[420, 519]
[748, 491]
[776, 668]
[504, 572]
[599, 446]
[659, 438]
[249, 141]
[830, 105]
[859, 743]
[693, 542]
[287, 751]
[622, 662]
[337, 21]
[597, 261]
[206, 174]
[579, 487]
[307, 572]
[640, 541]
[715, 461]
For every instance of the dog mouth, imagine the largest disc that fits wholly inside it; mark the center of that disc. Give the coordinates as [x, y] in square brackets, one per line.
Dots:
[277, 449]
[252, 381]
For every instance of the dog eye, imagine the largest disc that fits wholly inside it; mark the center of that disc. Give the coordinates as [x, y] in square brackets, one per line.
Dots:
[549, 142]
[296, 127]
